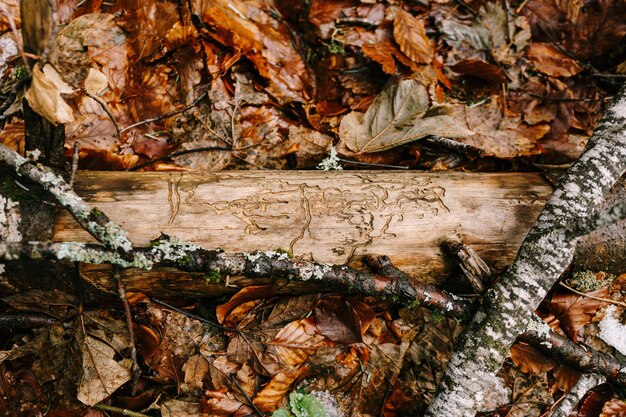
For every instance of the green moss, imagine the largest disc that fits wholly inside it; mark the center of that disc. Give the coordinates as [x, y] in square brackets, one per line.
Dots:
[412, 304]
[436, 316]
[586, 281]
[213, 277]
[183, 260]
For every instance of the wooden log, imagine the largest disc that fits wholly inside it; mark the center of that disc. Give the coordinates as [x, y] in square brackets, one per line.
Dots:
[332, 217]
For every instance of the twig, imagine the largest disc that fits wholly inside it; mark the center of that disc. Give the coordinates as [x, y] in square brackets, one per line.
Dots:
[104, 107]
[606, 300]
[75, 157]
[91, 219]
[29, 321]
[348, 161]
[16, 35]
[118, 410]
[568, 99]
[196, 317]
[136, 370]
[165, 116]
[54, 30]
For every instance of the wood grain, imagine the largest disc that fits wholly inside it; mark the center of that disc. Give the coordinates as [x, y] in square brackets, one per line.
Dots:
[332, 217]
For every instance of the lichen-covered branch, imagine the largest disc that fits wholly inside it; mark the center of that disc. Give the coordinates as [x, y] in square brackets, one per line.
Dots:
[93, 220]
[576, 393]
[545, 254]
[192, 258]
[603, 218]
[387, 281]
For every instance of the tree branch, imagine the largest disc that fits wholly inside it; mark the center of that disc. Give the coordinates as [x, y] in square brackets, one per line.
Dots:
[544, 255]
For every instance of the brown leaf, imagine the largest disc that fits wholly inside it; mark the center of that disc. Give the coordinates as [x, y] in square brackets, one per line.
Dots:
[44, 95]
[565, 377]
[549, 60]
[269, 397]
[102, 374]
[615, 407]
[575, 311]
[529, 359]
[223, 403]
[12, 136]
[381, 52]
[253, 292]
[499, 135]
[530, 393]
[400, 114]
[337, 321]
[296, 342]
[196, 369]
[265, 40]
[480, 69]
[178, 408]
[410, 34]
[326, 11]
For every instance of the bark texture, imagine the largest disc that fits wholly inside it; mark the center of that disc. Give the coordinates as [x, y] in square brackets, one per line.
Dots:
[545, 254]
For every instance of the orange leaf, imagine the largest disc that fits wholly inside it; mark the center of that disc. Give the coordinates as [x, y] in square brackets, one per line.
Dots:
[575, 311]
[381, 52]
[295, 342]
[551, 61]
[530, 360]
[614, 408]
[254, 292]
[411, 36]
[269, 397]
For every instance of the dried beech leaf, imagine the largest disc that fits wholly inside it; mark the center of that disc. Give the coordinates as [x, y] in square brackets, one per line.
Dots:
[44, 95]
[295, 342]
[269, 397]
[575, 311]
[400, 114]
[530, 360]
[615, 407]
[102, 374]
[381, 52]
[196, 369]
[549, 60]
[410, 34]
[95, 82]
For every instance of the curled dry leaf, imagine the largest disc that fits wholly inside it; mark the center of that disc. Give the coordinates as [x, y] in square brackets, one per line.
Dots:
[410, 34]
[295, 342]
[549, 60]
[44, 95]
[615, 407]
[401, 113]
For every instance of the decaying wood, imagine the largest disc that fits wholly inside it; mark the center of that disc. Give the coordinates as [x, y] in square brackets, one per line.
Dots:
[334, 217]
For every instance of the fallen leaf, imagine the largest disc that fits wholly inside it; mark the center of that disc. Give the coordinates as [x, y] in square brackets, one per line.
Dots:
[400, 114]
[265, 40]
[44, 95]
[253, 292]
[270, 396]
[410, 34]
[178, 408]
[574, 311]
[295, 342]
[196, 369]
[337, 321]
[615, 407]
[549, 60]
[530, 360]
[102, 374]
[500, 135]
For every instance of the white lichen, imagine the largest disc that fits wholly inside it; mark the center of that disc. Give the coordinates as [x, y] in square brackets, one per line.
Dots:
[10, 220]
[33, 155]
[332, 162]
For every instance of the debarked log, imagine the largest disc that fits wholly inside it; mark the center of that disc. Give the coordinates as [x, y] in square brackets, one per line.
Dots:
[331, 217]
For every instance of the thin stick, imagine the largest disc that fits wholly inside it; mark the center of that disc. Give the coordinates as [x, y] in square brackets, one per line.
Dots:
[118, 410]
[165, 116]
[136, 370]
[75, 157]
[17, 36]
[606, 300]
